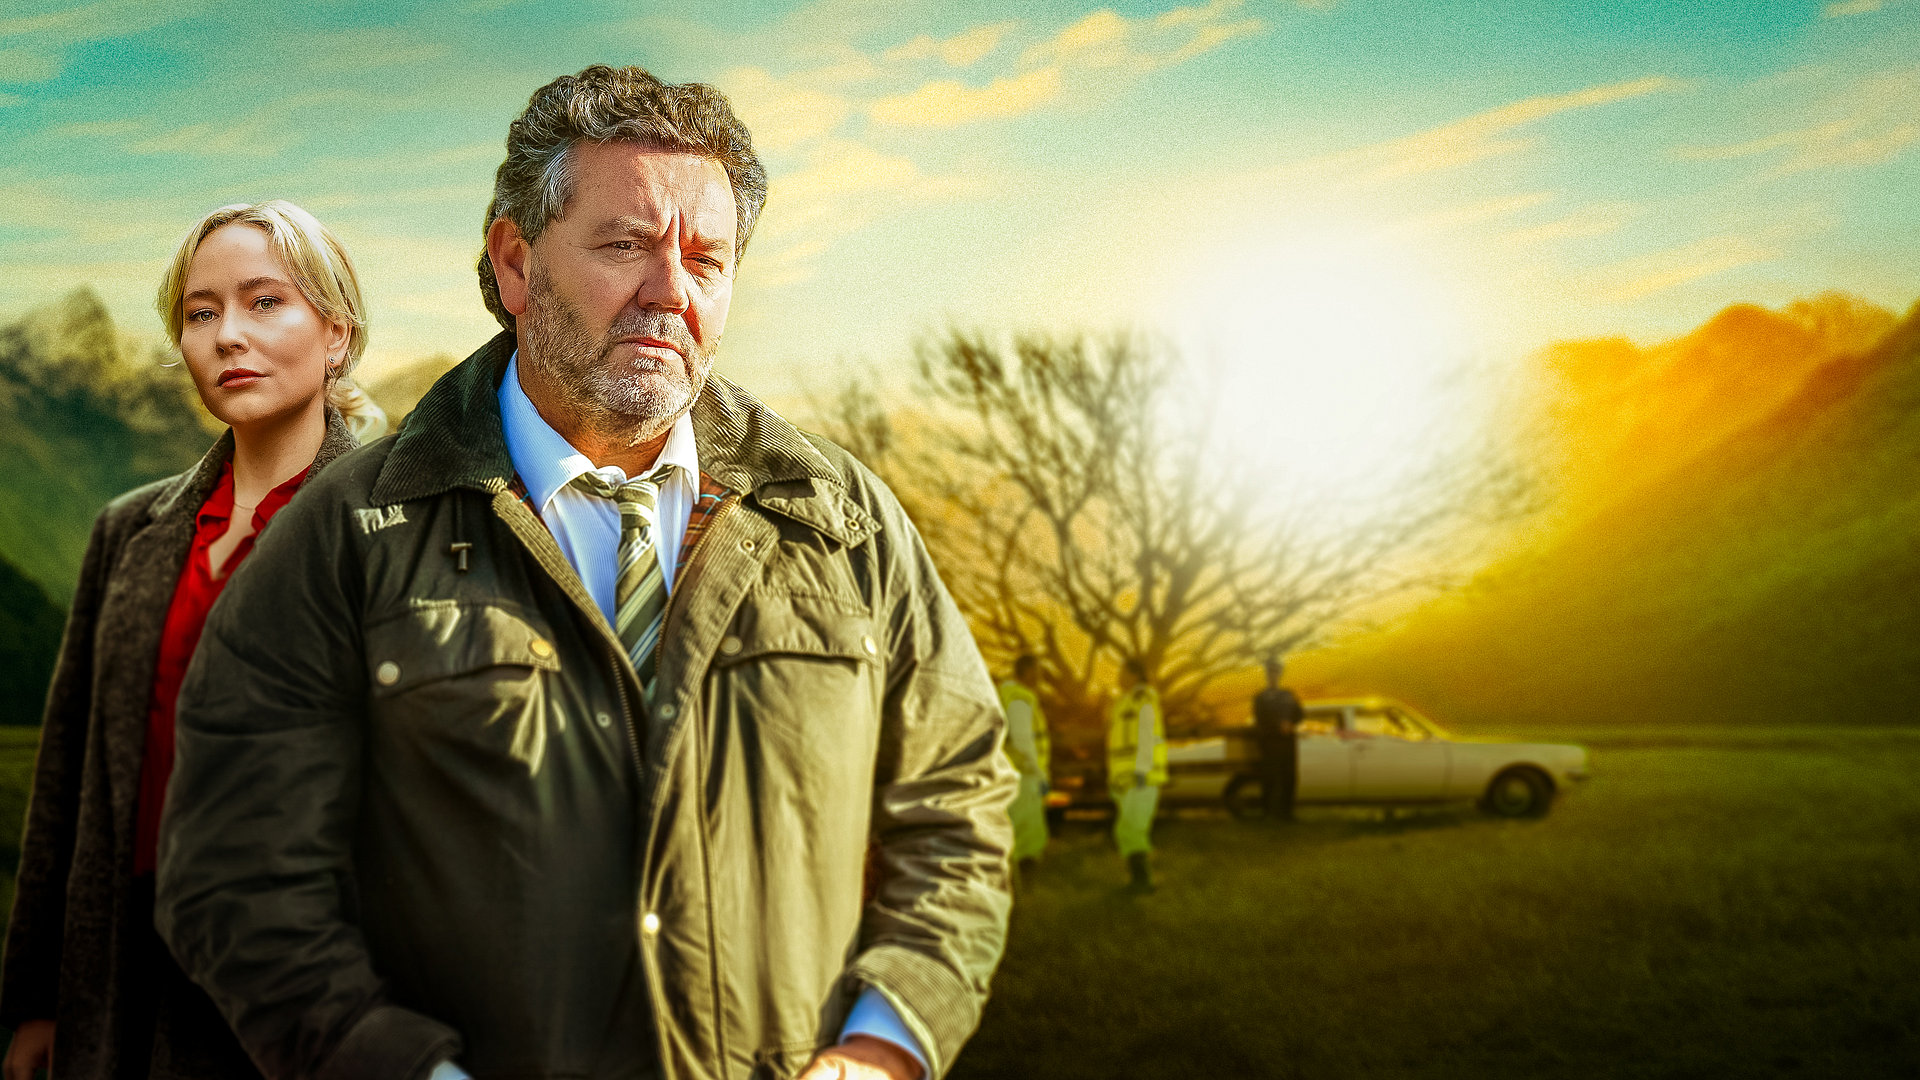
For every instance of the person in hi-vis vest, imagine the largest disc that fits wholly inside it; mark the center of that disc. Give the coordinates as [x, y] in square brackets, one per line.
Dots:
[1029, 749]
[1136, 768]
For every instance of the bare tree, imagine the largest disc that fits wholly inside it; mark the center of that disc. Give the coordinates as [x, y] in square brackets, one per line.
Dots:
[1077, 516]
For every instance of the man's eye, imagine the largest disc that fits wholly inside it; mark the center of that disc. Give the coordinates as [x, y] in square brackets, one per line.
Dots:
[624, 245]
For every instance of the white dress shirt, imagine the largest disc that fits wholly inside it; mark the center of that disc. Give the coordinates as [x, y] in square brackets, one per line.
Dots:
[586, 526]
[587, 529]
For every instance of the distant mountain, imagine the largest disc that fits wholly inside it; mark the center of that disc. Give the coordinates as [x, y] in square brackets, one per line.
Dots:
[84, 415]
[1629, 415]
[1754, 558]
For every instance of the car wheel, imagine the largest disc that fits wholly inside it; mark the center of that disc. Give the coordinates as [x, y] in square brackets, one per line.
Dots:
[1518, 793]
[1245, 797]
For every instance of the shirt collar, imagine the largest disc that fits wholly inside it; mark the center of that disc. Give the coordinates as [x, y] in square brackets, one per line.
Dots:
[547, 462]
[219, 505]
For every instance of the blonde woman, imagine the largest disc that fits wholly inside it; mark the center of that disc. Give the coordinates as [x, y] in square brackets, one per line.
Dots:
[265, 309]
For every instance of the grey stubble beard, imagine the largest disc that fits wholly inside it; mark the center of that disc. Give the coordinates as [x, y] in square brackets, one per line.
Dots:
[619, 408]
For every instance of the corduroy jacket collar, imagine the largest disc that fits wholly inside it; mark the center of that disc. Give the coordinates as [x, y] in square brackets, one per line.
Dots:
[454, 439]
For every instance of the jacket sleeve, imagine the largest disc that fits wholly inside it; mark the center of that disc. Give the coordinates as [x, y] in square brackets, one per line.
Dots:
[255, 887]
[934, 931]
[36, 931]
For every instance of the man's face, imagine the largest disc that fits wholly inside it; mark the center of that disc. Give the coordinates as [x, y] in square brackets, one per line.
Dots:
[628, 290]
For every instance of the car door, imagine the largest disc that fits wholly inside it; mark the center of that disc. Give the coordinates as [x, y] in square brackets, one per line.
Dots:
[1392, 759]
[1326, 767]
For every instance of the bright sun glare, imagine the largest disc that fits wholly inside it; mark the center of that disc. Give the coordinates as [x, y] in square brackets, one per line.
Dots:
[1342, 365]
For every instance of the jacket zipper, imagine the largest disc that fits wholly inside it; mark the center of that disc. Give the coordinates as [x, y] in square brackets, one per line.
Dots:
[626, 711]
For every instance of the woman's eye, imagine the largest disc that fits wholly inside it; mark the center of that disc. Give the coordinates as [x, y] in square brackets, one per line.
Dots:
[199, 315]
[267, 303]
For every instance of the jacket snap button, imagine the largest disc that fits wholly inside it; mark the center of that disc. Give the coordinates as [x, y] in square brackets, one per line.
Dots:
[866, 642]
[730, 646]
[388, 673]
[667, 711]
[540, 647]
[603, 719]
[650, 924]
[746, 545]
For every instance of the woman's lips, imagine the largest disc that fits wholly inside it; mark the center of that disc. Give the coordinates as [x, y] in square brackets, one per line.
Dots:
[239, 377]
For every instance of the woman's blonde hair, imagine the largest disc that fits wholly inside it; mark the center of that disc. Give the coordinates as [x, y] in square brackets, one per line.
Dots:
[323, 273]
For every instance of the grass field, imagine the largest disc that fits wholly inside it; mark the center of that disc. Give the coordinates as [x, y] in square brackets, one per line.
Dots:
[1711, 904]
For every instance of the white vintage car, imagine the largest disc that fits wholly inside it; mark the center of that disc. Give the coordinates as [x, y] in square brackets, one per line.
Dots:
[1376, 751]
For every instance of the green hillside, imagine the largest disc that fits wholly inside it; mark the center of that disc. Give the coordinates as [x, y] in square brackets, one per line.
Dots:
[29, 641]
[84, 415]
[1772, 577]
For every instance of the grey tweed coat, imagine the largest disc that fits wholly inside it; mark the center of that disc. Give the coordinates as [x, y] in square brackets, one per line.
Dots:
[80, 945]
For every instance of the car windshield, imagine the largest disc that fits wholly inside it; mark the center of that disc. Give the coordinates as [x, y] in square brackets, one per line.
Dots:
[1380, 721]
[1416, 722]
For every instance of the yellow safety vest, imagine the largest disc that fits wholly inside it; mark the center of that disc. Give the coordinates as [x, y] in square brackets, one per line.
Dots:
[1012, 691]
[1123, 738]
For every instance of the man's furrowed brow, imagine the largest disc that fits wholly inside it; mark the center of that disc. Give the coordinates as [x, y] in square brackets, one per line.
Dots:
[636, 228]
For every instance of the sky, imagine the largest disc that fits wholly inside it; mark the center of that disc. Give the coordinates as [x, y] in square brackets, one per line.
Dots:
[1337, 201]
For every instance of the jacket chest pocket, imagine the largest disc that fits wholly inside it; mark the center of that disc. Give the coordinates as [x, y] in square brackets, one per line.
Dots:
[798, 676]
[470, 674]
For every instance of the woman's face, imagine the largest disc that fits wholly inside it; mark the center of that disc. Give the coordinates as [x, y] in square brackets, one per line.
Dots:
[257, 348]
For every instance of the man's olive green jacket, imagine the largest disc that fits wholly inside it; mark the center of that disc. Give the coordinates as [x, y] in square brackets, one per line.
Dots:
[420, 807]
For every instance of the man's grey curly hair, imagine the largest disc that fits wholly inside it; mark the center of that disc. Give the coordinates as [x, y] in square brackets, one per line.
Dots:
[608, 104]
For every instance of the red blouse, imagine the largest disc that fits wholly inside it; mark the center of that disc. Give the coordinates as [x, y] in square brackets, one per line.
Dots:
[193, 597]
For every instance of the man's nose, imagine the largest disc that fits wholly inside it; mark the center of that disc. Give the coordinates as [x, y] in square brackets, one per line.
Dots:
[666, 286]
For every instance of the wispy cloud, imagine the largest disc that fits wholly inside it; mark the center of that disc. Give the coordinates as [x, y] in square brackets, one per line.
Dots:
[1477, 212]
[959, 51]
[28, 65]
[844, 186]
[822, 122]
[35, 44]
[1844, 8]
[1871, 122]
[1105, 39]
[1648, 274]
[96, 129]
[950, 103]
[1485, 135]
[784, 113]
[1586, 223]
[1094, 50]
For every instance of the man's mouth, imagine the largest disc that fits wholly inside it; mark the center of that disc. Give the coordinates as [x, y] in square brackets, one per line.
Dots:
[644, 342]
[238, 377]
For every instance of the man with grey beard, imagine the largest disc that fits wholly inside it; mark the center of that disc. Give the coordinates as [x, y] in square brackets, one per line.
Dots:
[600, 723]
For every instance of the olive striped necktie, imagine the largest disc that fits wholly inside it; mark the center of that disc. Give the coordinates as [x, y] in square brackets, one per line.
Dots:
[640, 591]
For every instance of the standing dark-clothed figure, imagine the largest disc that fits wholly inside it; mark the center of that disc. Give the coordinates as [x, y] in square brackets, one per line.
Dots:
[1276, 721]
